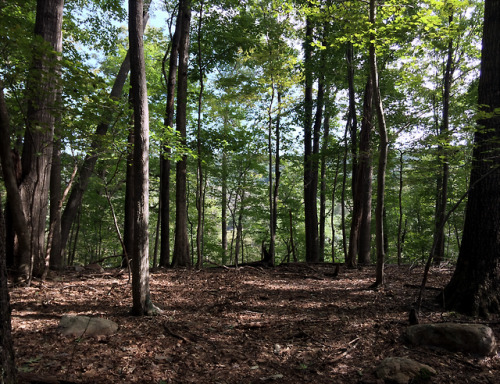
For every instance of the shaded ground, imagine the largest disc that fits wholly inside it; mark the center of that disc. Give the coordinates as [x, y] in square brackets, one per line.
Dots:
[292, 324]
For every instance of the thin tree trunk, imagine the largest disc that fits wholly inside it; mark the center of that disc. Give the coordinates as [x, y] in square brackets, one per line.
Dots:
[382, 163]
[54, 251]
[272, 228]
[400, 205]
[292, 244]
[322, 188]
[442, 192]
[224, 206]
[200, 182]
[310, 164]
[334, 190]
[165, 162]
[142, 304]
[277, 175]
[128, 226]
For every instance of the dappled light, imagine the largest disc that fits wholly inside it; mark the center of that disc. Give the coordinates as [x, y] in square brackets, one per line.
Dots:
[293, 323]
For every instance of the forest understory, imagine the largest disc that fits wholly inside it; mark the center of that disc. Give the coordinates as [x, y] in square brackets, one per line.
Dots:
[296, 323]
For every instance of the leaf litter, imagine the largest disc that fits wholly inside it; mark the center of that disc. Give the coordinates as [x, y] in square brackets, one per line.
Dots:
[295, 323]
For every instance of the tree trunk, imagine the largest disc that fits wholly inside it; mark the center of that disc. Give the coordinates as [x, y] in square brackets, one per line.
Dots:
[181, 247]
[363, 179]
[382, 162]
[310, 164]
[18, 219]
[200, 181]
[442, 190]
[400, 205]
[142, 304]
[322, 187]
[165, 162]
[224, 205]
[277, 175]
[272, 228]
[7, 364]
[54, 250]
[43, 87]
[475, 286]
[128, 224]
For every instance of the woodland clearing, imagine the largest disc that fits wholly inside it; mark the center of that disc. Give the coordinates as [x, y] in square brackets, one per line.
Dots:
[296, 323]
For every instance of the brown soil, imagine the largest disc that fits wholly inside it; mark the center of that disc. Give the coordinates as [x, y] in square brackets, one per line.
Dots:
[292, 324]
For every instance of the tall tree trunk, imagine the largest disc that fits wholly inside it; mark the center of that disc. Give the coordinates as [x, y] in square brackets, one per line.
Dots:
[475, 285]
[129, 208]
[224, 205]
[272, 228]
[364, 185]
[239, 229]
[310, 180]
[142, 304]
[277, 175]
[7, 364]
[400, 205]
[165, 162]
[352, 120]
[442, 190]
[322, 187]
[200, 181]
[181, 247]
[351, 128]
[54, 250]
[87, 168]
[382, 162]
[43, 87]
[363, 178]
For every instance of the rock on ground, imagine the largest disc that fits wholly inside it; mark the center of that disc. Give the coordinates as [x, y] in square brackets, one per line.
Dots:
[470, 338]
[79, 326]
[403, 371]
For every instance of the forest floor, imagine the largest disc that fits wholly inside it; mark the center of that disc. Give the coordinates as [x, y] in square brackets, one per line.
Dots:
[296, 323]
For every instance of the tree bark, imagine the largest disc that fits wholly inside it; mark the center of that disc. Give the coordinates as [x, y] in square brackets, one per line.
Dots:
[272, 228]
[277, 175]
[142, 304]
[362, 189]
[442, 190]
[43, 87]
[310, 164]
[200, 181]
[128, 222]
[475, 285]
[181, 247]
[382, 162]
[171, 80]
[322, 187]
[18, 220]
[224, 207]
[7, 364]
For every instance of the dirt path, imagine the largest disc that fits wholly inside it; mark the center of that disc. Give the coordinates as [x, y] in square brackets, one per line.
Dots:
[292, 324]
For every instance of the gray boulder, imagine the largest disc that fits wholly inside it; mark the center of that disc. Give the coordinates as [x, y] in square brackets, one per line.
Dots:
[79, 326]
[403, 371]
[469, 338]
